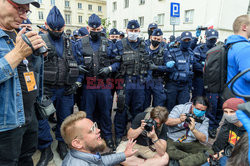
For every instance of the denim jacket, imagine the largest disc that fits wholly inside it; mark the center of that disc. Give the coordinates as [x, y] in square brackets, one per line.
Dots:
[11, 102]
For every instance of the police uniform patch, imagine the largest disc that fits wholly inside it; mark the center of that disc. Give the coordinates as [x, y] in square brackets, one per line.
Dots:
[94, 26]
[213, 33]
[158, 33]
[114, 33]
[133, 26]
[187, 33]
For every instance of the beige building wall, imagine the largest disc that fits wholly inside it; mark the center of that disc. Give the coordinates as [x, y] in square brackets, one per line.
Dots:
[75, 12]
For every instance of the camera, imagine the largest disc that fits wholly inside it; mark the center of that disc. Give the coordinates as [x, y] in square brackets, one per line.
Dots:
[213, 161]
[197, 119]
[150, 123]
[38, 51]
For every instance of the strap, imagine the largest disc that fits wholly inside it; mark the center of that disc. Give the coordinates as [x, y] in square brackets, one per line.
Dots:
[27, 41]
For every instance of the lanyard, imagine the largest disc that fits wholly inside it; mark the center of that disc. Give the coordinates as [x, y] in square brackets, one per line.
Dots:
[25, 61]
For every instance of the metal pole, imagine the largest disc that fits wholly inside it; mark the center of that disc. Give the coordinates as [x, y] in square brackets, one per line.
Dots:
[173, 29]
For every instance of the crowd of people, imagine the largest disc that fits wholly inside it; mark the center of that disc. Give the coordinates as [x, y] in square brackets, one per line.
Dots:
[164, 115]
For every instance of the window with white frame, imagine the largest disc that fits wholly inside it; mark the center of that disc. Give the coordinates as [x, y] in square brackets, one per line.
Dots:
[141, 21]
[67, 4]
[126, 3]
[161, 19]
[52, 2]
[141, 2]
[125, 23]
[79, 5]
[67, 18]
[40, 1]
[114, 6]
[114, 24]
[99, 8]
[189, 14]
[40, 15]
[79, 19]
[90, 7]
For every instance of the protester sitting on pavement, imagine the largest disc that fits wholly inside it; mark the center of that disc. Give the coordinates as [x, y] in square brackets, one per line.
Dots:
[150, 132]
[188, 129]
[230, 132]
[84, 140]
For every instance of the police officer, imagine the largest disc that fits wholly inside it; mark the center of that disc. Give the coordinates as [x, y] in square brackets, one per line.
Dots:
[134, 67]
[158, 71]
[180, 80]
[151, 28]
[92, 53]
[121, 35]
[60, 76]
[42, 29]
[216, 113]
[76, 35]
[171, 41]
[83, 32]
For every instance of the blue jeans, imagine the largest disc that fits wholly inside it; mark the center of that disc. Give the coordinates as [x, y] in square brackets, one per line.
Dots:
[222, 162]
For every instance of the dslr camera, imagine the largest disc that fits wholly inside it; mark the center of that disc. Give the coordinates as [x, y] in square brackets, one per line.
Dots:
[197, 119]
[150, 123]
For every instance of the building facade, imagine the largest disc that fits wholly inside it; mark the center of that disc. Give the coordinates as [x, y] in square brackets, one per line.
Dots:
[193, 13]
[75, 12]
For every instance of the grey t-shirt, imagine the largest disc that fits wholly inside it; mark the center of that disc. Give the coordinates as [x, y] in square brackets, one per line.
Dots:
[175, 113]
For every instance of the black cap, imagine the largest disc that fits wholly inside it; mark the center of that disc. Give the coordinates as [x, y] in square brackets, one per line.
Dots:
[24, 2]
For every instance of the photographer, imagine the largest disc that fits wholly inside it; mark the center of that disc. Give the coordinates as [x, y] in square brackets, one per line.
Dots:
[230, 132]
[149, 130]
[18, 84]
[188, 129]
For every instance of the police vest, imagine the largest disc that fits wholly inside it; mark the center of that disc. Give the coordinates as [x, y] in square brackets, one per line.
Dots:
[134, 62]
[95, 60]
[60, 70]
[158, 60]
[183, 71]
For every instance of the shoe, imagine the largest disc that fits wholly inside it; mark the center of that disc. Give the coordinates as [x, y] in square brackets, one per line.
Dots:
[52, 119]
[110, 144]
[118, 141]
[62, 149]
[46, 157]
[212, 133]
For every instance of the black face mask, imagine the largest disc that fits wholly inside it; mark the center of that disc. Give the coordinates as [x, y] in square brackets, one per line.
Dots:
[95, 35]
[114, 40]
[150, 33]
[155, 43]
[55, 35]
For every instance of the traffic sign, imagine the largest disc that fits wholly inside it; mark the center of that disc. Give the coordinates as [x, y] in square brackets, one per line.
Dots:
[175, 9]
[174, 20]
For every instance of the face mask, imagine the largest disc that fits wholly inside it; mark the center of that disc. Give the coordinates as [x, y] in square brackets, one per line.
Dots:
[155, 43]
[95, 35]
[114, 40]
[150, 33]
[210, 43]
[133, 36]
[55, 35]
[198, 113]
[185, 45]
[231, 118]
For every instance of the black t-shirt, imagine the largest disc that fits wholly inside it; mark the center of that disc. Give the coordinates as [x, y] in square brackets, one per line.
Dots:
[142, 139]
[28, 97]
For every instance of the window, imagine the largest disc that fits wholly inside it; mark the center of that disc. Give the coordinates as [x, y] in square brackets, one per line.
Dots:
[125, 21]
[99, 9]
[52, 2]
[114, 24]
[141, 21]
[67, 18]
[90, 7]
[160, 19]
[126, 3]
[142, 2]
[67, 4]
[79, 19]
[79, 5]
[40, 1]
[40, 15]
[189, 14]
[114, 6]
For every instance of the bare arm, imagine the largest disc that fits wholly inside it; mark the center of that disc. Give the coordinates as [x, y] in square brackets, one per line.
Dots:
[176, 121]
[134, 133]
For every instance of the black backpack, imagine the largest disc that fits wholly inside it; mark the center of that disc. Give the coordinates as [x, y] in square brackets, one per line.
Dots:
[215, 69]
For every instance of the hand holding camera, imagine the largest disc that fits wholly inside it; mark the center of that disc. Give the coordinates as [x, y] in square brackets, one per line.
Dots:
[191, 125]
[143, 124]
[183, 117]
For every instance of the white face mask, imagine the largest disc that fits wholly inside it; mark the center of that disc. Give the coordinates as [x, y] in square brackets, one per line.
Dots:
[231, 118]
[133, 36]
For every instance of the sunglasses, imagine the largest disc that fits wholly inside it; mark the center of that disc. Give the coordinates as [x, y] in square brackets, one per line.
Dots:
[94, 128]
[20, 10]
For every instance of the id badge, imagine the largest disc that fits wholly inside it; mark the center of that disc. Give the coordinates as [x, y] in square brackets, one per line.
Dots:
[30, 81]
[182, 138]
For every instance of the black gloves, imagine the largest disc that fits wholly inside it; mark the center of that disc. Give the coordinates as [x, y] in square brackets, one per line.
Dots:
[72, 89]
[152, 66]
[104, 71]
[82, 69]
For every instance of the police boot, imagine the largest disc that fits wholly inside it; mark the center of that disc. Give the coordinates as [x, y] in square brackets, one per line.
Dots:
[46, 157]
[62, 149]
